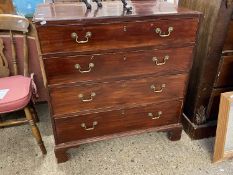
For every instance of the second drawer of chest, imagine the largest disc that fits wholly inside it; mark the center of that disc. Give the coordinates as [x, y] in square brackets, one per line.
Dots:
[105, 123]
[117, 65]
[102, 96]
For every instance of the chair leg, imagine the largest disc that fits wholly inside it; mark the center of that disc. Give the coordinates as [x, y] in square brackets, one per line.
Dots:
[35, 130]
[34, 113]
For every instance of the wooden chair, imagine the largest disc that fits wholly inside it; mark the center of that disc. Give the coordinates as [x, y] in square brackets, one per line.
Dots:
[20, 87]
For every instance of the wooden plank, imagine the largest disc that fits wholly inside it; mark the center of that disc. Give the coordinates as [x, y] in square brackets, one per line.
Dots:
[13, 22]
[6, 6]
[226, 104]
[13, 122]
[210, 9]
[209, 49]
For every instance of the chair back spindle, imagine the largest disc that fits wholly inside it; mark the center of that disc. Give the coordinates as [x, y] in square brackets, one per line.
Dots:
[13, 53]
[25, 55]
[4, 69]
[15, 24]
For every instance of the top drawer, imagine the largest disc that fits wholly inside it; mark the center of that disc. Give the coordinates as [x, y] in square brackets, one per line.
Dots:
[100, 37]
[225, 74]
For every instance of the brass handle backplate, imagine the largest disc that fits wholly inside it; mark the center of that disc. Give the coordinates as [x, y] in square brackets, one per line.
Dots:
[77, 66]
[155, 59]
[151, 115]
[156, 90]
[75, 37]
[83, 125]
[81, 96]
[162, 34]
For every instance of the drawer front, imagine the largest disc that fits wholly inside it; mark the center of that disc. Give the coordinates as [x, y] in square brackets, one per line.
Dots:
[225, 73]
[112, 95]
[100, 124]
[117, 65]
[228, 45]
[78, 38]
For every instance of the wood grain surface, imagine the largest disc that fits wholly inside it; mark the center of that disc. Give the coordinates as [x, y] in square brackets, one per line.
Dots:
[223, 127]
[110, 95]
[60, 13]
[61, 70]
[225, 73]
[228, 45]
[105, 37]
[111, 84]
[111, 122]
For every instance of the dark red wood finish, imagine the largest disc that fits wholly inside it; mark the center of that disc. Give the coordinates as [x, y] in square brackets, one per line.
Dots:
[120, 35]
[77, 13]
[214, 102]
[225, 73]
[173, 132]
[69, 129]
[121, 84]
[118, 65]
[228, 45]
[65, 100]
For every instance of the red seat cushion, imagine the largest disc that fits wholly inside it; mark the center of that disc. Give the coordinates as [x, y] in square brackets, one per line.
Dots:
[19, 93]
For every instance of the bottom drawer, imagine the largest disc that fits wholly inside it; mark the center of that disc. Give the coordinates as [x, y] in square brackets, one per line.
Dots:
[105, 123]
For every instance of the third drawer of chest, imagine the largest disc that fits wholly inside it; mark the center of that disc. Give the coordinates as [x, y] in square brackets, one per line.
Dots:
[117, 65]
[111, 122]
[102, 96]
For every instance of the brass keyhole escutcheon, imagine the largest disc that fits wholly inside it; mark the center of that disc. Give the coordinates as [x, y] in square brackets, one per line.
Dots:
[151, 115]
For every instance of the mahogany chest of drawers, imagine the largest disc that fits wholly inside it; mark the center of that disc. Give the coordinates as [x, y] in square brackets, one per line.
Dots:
[112, 74]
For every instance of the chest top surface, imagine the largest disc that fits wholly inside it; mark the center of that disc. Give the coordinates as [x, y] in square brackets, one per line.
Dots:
[111, 10]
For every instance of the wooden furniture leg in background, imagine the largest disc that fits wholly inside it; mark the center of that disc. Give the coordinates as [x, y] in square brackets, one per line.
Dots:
[35, 130]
